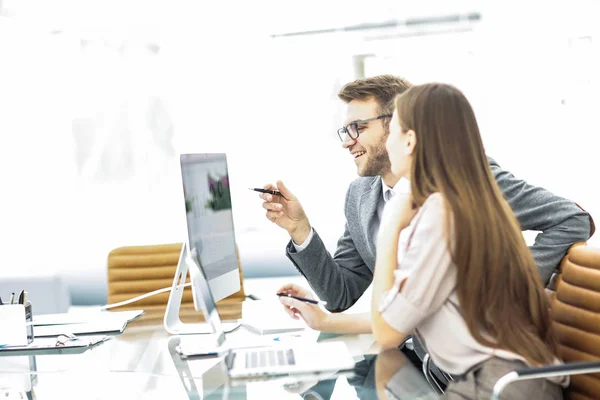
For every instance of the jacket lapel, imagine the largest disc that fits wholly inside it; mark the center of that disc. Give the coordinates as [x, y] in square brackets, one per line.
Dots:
[369, 220]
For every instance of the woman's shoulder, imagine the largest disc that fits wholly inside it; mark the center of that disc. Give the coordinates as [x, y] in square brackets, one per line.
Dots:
[435, 203]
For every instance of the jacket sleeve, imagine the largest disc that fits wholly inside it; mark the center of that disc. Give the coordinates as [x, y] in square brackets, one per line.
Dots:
[562, 222]
[341, 279]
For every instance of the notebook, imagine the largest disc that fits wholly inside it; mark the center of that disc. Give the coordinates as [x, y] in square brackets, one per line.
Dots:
[48, 346]
[93, 322]
[268, 317]
[80, 317]
[86, 328]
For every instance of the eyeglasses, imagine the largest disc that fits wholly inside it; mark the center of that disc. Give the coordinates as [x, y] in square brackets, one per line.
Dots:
[351, 129]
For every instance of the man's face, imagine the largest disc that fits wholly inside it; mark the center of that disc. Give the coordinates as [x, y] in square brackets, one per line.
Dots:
[368, 150]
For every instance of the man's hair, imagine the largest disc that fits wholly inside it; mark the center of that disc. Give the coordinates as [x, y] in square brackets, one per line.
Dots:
[383, 88]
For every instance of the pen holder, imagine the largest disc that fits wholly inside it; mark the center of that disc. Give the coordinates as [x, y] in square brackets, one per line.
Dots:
[17, 325]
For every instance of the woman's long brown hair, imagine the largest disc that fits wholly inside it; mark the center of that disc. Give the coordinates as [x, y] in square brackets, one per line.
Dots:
[499, 288]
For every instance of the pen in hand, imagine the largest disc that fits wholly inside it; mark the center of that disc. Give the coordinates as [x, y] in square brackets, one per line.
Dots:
[304, 299]
[274, 192]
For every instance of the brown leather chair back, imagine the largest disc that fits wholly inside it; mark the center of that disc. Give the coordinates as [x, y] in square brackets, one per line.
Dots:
[576, 313]
[136, 270]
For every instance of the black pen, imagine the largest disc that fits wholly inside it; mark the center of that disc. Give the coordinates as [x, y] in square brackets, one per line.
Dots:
[304, 299]
[277, 192]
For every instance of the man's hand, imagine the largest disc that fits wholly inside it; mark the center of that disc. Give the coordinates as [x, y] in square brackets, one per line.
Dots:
[286, 211]
[312, 314]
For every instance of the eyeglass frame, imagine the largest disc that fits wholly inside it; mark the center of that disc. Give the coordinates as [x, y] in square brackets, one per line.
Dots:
[344, 132]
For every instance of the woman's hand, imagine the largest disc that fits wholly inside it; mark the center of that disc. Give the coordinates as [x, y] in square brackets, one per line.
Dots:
[398, 213]
[312, 314]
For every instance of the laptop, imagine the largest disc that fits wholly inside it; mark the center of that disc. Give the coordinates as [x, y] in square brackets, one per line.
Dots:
[272, 360]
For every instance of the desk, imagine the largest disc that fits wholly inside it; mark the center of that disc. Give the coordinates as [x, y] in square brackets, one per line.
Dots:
[142, 363]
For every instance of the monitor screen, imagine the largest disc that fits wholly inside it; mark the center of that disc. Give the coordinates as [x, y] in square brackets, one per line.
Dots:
[210, 220]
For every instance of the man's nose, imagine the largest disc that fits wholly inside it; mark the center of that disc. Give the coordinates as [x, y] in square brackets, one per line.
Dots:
[348, 141]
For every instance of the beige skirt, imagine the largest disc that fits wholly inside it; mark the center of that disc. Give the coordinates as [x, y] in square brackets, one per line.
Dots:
[479, 382]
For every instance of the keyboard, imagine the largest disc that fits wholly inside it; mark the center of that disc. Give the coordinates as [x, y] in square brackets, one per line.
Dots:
[270, 358]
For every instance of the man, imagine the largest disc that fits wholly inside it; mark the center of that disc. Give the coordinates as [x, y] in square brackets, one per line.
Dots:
[342, 278]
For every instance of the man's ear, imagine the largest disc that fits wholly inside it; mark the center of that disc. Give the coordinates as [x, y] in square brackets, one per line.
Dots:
[411, 142]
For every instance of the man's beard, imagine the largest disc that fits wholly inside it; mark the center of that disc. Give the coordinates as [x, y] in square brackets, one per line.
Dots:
[378, 164]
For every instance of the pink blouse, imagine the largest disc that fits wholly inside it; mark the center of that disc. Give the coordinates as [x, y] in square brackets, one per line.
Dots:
[428, 303]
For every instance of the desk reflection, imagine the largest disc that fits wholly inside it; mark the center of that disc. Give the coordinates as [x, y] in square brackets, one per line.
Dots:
[397, 378]
[142, 363]
[387, 376]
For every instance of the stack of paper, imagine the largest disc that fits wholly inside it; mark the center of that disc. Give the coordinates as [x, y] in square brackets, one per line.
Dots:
[92, 322]
[268, 317]
[48, 345]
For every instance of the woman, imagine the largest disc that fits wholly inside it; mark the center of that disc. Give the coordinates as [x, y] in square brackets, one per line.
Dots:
[463, 279]
[460, 275]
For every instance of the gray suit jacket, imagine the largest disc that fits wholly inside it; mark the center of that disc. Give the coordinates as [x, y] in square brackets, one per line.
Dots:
[342, 279]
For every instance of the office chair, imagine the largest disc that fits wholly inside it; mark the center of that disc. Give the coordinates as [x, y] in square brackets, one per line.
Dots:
[576, 315]
[136, 270]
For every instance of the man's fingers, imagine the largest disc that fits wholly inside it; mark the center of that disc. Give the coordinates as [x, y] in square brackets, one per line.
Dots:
[272, 206]
[291, 312]
[273, 215]
[266, 196]
[285, 191]
[294, 290]
[299, 293]
[297, 304]
[288, 288]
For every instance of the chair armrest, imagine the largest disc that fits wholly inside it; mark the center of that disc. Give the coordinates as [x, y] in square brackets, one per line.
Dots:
[407, 342]
[429, 376]
[544, 372]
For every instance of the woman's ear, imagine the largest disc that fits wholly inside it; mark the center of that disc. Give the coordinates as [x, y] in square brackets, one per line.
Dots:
[411, 142]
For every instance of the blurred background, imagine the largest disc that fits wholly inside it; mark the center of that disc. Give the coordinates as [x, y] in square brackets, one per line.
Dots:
[98, 98]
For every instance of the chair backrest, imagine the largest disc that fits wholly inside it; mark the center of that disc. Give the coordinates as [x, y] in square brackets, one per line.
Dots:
[576, 314]
[136, 270]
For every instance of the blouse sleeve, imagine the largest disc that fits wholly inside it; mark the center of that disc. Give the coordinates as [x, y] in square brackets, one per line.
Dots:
[427, 269]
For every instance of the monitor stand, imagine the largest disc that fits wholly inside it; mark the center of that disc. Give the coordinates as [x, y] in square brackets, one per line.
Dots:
[171, 321]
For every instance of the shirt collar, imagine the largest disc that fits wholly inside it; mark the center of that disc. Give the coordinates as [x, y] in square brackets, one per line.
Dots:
[387, 191]
[402, 186]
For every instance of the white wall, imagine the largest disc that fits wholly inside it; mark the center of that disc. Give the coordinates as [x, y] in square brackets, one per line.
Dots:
[98, 98]
[531, 74]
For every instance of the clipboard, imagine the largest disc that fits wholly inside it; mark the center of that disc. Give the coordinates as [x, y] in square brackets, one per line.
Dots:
[41, 346]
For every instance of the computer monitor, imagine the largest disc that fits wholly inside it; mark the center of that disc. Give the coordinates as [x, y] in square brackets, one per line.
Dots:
[209, 218]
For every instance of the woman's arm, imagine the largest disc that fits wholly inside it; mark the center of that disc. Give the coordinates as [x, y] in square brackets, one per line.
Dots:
[347, 323]
[397, 216]
[429, 279]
